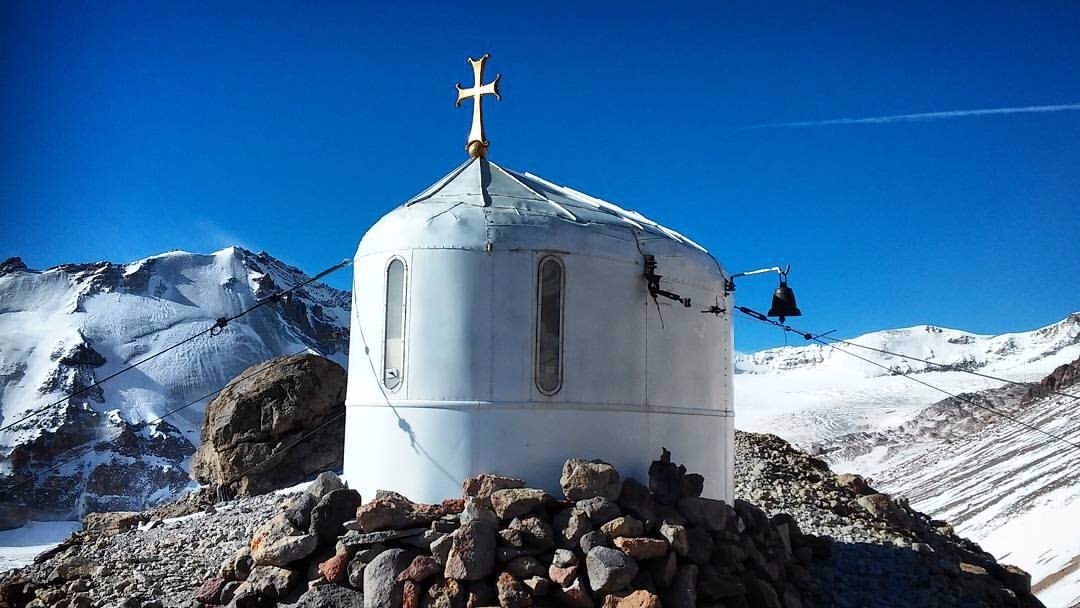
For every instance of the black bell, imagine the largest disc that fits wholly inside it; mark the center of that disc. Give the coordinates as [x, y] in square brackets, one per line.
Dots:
[783, 303]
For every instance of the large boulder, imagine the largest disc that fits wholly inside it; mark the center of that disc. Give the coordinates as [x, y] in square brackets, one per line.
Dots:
[260, 414]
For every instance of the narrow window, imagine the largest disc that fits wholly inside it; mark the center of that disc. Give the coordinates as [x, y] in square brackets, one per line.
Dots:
[549, 326]
[394, 341]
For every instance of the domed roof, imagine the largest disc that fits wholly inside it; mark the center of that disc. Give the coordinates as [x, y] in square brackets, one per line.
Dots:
[485, 206]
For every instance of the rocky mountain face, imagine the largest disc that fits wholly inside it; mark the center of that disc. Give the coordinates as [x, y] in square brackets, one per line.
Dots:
[1011, 489]
[67, 327]
[813, 539]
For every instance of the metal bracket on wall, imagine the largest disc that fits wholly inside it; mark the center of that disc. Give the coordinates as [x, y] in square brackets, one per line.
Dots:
[653, 281]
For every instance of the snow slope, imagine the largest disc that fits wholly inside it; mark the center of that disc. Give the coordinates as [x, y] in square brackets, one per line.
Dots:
[68, 326]
[812, 393]
[1013, 490]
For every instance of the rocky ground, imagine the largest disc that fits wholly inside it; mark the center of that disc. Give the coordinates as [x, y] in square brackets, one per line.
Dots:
[883, 552]
[607, 543]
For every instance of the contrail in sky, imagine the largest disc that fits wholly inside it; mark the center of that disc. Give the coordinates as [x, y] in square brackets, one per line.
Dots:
[875, 120]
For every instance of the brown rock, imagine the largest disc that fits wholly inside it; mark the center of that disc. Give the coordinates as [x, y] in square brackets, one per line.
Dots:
[972, 569]
[576, 595]
[513, 502]
[210, 591]
[482, 486]
[445, 594]
[422, 568]
[512, 593]
[637, 599]
[336, 569]
[853, 482]
[883, 507]
[268, 405]
[410, 595]
[623, 526]
[564, 576]
[582, 479]
[112, 523]
[392, 511]
[1015, 579]
[642, 548]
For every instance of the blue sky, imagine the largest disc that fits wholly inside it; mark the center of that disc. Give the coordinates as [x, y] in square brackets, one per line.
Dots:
[128, 129]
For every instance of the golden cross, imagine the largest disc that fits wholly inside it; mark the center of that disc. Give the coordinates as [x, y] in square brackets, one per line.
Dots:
[477, 144]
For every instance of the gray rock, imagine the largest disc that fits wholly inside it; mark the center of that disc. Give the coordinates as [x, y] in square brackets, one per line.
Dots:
[332, 510]
[272, 582]
[298, 510]
[609, 569]
[472, 552]
[599, 509]
[475, 511]
[595, 538]
[636, 500]
[683, 590]
[440, 549]
[534, 531]
[526, 567]
[582, 479]
[278, 543]
[710, 514]
[513, 502]
[676, 537]
[570, 525]
[357, 540]
[330, 596]
[381, 587]
[563, 558]
[699, 545]
[666, 479]
[326, 482]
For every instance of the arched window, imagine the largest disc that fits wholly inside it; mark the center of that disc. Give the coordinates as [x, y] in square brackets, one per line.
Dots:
[394, 334]
[549, 324]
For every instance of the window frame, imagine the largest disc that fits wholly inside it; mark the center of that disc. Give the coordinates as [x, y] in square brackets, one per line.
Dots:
[545, 259]
[386, 319]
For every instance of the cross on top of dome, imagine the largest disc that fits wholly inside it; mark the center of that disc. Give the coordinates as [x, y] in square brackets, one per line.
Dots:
[477, 144]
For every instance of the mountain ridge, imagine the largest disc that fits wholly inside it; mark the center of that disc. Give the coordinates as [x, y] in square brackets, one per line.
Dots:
[70, 325]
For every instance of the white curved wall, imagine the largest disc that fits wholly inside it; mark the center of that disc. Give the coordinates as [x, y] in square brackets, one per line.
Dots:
[469, 403]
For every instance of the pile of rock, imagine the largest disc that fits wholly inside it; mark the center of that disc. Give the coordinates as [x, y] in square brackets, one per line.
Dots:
[881, 548]
[606, 542]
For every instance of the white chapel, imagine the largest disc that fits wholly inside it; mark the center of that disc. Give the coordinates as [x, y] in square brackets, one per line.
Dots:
[503, 323]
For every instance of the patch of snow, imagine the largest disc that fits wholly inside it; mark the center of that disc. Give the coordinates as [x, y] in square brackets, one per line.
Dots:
[20, 546]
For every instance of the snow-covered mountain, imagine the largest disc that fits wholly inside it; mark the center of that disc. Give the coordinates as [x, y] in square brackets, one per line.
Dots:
[1013, 490]
[66, 327]
[810, 393]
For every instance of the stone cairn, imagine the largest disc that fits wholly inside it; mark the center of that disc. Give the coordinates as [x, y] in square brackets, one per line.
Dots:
[608, 542]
